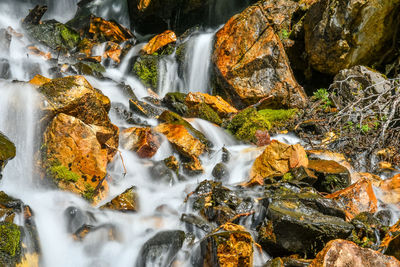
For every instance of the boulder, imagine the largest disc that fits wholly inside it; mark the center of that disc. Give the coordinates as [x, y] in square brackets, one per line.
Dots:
[143, 141]
[345, 253]
[7, 151]
[357, 198]
[159, 41]
[219, 105]
[73, 157]
[162, 249]
[228, 245]
[331, 175]
[125, 202]
[339, 35]
[276, 160]
[251, 63]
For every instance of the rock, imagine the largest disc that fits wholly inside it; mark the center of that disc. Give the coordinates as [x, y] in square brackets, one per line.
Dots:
[89, 68]
[219, 105]
[176, 102]
[345, 253]
[391, 242]
[357, 82]
[144, 109]
[251, 63]
[184, 142]
[357, 198]
[303, 174]
[7, 151]
[368, 231]
[35, 15]
[159, 41]
[143, 141]
[39, 80]
[228, 245]
[203, 111]
[390, 190]
[331, 175]
[5, 72]
[74, 96]
[77, 219]
[299, 221]
[220, 172]
[341, 35]
[161, 249]
[5, 40]
[276, 160]
[146, 69]
[74, 159]
[125, 202]
[103, 30]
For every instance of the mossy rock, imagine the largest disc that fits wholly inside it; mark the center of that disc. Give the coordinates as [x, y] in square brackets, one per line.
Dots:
[60, 172]
[146, 69]
[278, 117]
[54, 34]
[176, 102]
[90, 68]
[205, 112]
[7, 151]
[10, 244]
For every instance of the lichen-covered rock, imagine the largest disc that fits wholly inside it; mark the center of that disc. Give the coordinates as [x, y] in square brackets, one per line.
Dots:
[7, 151]
[219, 105]
[73, 157]
[229, 245]
[276, 160]
[161, 248]
[125, 202]
[251, 63]
[141, 140]
[331, 175]
[159, 41]
[341, 34]
[357, 198]
[345, 253]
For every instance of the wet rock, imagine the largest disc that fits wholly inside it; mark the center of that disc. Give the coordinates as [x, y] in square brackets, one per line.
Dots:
[176, 102]
[7, 151]
[390, 190]
[161, 172]
[251, 63]
[159, 41]
[5, 40]
[219, 105]
[299, 221]
[146, 69]
[276, 160]
[89, 68]
[35, 15]
[368, 231]
[143, 141]
[198, 222]
[5, 72]
[357, 198]
[10, 243]
[331, 175]
[144, 109]
[358, 82]
[203, 111]
[74, 159]
[341, 35]
[77, 219]
[39, 80]
[220, 172]
[303, 174]
[161, 249]
[226, 155]
[172, 163]
[391, 242]
[229, 245]
[345, 253]
[125, 202]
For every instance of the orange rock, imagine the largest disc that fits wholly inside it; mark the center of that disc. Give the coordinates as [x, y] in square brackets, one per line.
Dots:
[358, 197]
[219, 105]
[390, 189]
[252, 64]
[113, 51]
[159, 41]
[343, 253]
[103, 30]
[390, 244]
[141, 140]
[276, 160]
[33, 50]
[125, 202]
[143, 4]
[39, 80]
[375, 179]
[73, 157]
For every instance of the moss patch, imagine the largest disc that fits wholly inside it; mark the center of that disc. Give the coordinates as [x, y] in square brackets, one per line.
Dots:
[60, 172]
[89, 193]
[146, 68]
[277, 115]
[10, 238]
[205, 112]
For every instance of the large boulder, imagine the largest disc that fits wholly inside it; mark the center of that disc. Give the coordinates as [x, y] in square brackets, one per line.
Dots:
[341, 34]
[346, 253]
[73, 157]
[7, 151]
[251, 63]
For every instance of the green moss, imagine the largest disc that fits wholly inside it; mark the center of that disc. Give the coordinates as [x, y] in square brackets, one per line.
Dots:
[278, 115]
[60, 172]
[205, 112]
[70, 37]
[10, 238]
[146, 68]
[89, 192]
[7, 150]
[287, 177]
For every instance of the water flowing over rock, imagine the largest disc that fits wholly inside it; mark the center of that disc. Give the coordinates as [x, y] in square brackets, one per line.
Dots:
[339, 35]
[390, 189]
[251, 63]
[346, 253]
[125, 202]
[73, 157]
[141, 140]
[7, 151]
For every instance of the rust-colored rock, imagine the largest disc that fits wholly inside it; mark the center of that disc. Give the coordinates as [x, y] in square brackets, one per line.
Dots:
[141, 140]
[73, 157]
[219, 105]
[251, 63]
[229, 245]
[390, 189]
[159, 41]
[276, 160]
[342, 253]
[390, 244]
[104, 30]
[126, 201]
[113, 51]
[39, 80]
[357, 198]
[331, 175]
